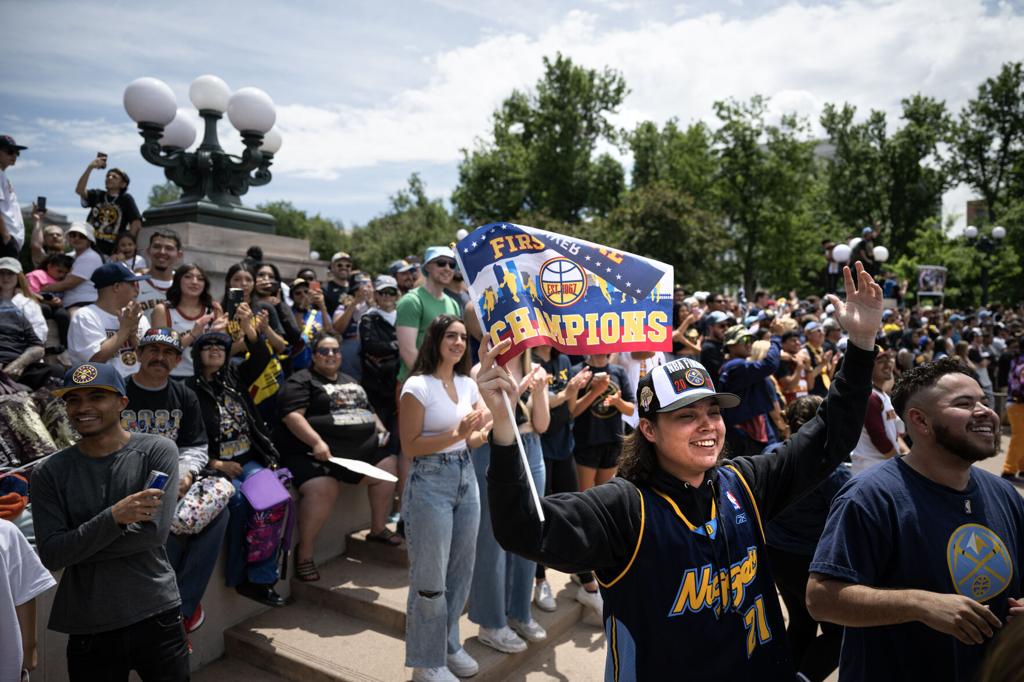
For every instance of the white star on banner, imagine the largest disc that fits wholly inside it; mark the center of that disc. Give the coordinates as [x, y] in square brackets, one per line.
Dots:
[629, 284]
[587, 257]
[618, 276]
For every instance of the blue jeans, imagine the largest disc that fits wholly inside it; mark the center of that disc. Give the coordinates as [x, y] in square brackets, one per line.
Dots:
[441, 509]
[502, 581]
[238, 569]
[193, 558]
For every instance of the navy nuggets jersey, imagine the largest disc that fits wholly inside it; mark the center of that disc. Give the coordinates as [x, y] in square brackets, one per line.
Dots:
[695, 602]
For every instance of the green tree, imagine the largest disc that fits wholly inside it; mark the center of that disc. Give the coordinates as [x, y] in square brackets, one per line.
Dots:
[541, 155]
[325, 236]
[895, 181]
[165, 193]
[764, 174]
[413, 222]
[683, 158]
[988, 140]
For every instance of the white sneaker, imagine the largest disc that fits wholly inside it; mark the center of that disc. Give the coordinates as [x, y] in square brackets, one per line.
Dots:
[543, 598]
[462, 664]
[502, 639]
[591, 600]
[441, 674]
[531, 631]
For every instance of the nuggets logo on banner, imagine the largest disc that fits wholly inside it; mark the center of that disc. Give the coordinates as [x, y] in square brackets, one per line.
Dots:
[979, 563]
[542, 288]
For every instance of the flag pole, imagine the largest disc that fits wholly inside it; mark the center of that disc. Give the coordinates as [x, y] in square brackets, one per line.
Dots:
[508, 404]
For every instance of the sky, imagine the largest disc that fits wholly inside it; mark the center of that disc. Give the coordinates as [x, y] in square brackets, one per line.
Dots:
[368, 93]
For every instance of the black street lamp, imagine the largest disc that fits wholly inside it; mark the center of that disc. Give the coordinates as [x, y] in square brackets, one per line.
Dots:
[211, 179]
[987, 245]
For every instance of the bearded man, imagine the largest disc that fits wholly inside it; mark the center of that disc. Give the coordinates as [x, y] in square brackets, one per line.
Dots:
[921, 555]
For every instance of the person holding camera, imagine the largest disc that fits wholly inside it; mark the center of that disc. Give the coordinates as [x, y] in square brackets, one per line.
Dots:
[112, 211]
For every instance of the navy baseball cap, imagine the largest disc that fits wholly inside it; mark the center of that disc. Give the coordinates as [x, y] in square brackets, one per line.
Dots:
[91, 375]
[162, 335]
[7, 142]
[677, 384]
[113, 273]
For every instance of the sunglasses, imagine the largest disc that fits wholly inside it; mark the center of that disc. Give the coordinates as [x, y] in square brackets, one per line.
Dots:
[388, 292]
[444, 263]
[327, 352]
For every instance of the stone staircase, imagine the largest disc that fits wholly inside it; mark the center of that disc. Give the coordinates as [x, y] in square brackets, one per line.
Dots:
[350, 626]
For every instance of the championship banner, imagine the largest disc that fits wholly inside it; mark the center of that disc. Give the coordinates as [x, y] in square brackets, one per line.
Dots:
[542, 288]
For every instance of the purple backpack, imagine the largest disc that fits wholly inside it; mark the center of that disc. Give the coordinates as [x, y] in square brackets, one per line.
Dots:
[271, 516]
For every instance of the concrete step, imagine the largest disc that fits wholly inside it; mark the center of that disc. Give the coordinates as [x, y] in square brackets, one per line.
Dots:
[229, 669]
[350, 626]
[358, 547]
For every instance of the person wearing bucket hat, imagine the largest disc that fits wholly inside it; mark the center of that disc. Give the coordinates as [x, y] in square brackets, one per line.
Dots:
[77, 289]
[676, 538]
[112, 211]
[99, 517]
[239, 447]
[418, 308]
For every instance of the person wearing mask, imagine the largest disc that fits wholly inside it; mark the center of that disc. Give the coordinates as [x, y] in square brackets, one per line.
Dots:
[164, 253]
[189, 309]
[318, 405]
[77, 289]
[922, 552]
[676, 536]
[96, 518]
[109, 329]
[161, 406]
[502, 587]
[239, 445]
[441, 418]
[112, 210]
[378, 353]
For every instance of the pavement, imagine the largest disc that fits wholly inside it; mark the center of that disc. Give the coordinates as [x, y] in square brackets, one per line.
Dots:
[578, 654]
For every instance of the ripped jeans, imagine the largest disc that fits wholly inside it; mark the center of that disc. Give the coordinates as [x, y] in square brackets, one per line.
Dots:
[441, 509]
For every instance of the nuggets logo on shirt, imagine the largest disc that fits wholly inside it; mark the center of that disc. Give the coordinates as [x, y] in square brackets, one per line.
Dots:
[979, 563]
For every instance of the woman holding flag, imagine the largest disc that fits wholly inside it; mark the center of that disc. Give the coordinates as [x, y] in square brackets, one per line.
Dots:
[677, 538]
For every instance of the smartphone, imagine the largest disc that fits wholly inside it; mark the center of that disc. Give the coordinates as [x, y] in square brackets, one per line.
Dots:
[157, 480]
[103, 157]
[235, 297]
[41, 204]
[314, 285]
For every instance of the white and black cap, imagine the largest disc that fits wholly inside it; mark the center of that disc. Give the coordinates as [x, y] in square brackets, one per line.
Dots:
[677, 384]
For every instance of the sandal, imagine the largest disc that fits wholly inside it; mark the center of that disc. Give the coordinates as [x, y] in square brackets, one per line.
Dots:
[306, 571]
[386, 537]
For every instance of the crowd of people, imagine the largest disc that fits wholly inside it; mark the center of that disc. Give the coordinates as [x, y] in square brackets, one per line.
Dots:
[844, 422]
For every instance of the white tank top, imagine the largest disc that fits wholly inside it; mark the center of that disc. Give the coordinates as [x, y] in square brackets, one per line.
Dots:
[866, 454]
[182, 324]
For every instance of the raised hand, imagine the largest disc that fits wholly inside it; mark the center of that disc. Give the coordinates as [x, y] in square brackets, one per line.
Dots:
[861, 314]
[492, 381]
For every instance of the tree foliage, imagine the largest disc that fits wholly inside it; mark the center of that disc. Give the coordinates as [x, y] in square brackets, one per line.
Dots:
[541, 155]
[165, 193]
[324, 236]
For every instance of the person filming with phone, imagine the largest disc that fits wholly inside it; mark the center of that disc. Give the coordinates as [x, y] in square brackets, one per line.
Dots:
[112, 211]
[97, 518]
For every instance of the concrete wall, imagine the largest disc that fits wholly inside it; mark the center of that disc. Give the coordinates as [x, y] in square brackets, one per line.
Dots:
[216, 249]
[224, 607]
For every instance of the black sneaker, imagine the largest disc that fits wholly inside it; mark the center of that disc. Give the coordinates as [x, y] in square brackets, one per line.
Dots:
[400, 528]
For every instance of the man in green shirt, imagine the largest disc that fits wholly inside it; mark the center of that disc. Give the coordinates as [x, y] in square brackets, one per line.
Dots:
[421, 305]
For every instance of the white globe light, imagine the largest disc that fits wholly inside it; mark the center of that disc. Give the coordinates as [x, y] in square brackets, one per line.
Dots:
[841, 253]
[149, 100]
[854, 242]
[970, 232]
[314, 255]
[999, 232]
[271, 141]
[180, 132]
[881, 254]
[461, 233]
[251, 109]
[209, 92]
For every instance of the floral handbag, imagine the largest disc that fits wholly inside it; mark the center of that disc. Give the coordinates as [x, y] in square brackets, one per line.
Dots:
[207, 497]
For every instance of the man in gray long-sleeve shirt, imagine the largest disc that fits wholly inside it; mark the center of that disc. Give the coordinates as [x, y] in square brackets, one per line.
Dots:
[117, 597]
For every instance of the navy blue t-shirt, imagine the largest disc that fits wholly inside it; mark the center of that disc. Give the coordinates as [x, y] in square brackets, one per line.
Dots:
[557, 441]
[890, 527]
[600, 424]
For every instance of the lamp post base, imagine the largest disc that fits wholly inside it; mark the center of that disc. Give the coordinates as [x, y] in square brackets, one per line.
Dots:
[209, 213]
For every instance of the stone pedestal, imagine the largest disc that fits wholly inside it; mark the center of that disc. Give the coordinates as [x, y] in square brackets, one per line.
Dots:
[216, 249]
